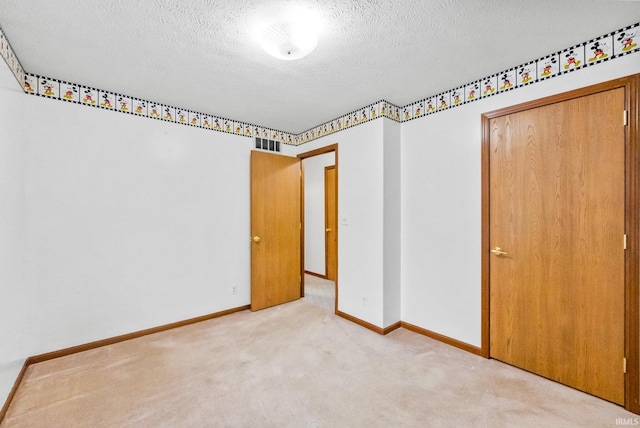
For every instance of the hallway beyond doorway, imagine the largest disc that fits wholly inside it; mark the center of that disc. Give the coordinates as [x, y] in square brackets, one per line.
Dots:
[319, 291]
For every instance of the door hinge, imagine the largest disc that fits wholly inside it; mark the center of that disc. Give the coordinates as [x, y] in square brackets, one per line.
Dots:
[624, 365]
[625, 241]
[625, 118]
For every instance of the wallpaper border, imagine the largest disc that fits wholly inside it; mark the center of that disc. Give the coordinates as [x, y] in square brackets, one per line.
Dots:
[604, 48]
[113, 101]
[595, 51]
[10, 58]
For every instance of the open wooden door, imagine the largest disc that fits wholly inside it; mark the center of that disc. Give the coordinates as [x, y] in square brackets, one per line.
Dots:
[331, 222]
[275, 230]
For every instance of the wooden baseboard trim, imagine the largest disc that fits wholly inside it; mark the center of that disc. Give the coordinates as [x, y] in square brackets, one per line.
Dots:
[444, 339]
[110, 341]
[392, 327]
[360, 322]
[12, 393]
[100, 343]
[436, 336]
[368, 325]
[315, 274]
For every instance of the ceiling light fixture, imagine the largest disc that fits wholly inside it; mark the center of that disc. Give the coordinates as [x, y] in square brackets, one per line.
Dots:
[288, 41]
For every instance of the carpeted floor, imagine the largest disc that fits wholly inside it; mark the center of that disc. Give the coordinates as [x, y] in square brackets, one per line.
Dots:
[320, 292]
[294, 365]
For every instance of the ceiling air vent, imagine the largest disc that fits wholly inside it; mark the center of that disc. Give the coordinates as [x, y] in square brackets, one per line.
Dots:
[265, 144]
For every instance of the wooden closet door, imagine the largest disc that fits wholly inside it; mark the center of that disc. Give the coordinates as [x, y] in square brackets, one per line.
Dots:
[557, 189]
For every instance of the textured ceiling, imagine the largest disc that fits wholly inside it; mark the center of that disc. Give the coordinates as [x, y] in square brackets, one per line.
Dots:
[202, 55]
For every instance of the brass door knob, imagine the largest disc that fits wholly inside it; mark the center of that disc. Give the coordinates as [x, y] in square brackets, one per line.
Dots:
[498, 251]
[256, 239]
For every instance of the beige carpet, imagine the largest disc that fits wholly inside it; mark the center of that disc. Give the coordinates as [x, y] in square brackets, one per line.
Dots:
[295, 365]
[321, 292]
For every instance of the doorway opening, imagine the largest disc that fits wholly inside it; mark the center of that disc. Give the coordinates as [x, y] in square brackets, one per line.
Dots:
[319, 230]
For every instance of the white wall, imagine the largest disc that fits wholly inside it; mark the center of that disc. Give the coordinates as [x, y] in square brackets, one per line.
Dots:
[314, 212]
[12, 225]
[392, 223]
[112, 223]
[369, 192]
[360, 218]
[441, 202]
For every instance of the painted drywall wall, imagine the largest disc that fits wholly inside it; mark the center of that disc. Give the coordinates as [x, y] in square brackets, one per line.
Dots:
[441, 201]
[314, 212]
[113, 213]
[360, 218]
[12, 225]
[114, 224]
[369, 232]
[392, 188]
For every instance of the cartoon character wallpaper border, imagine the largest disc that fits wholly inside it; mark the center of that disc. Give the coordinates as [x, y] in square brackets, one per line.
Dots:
[604, 48]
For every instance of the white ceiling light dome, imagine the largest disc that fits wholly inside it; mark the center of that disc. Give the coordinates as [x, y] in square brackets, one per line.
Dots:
[288, 40]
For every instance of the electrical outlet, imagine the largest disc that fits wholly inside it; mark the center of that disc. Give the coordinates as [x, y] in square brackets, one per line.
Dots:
[234, 290]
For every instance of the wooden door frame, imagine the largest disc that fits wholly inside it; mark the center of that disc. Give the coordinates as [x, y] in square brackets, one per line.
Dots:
[631, 84]
[326, 215]
[303, 156]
